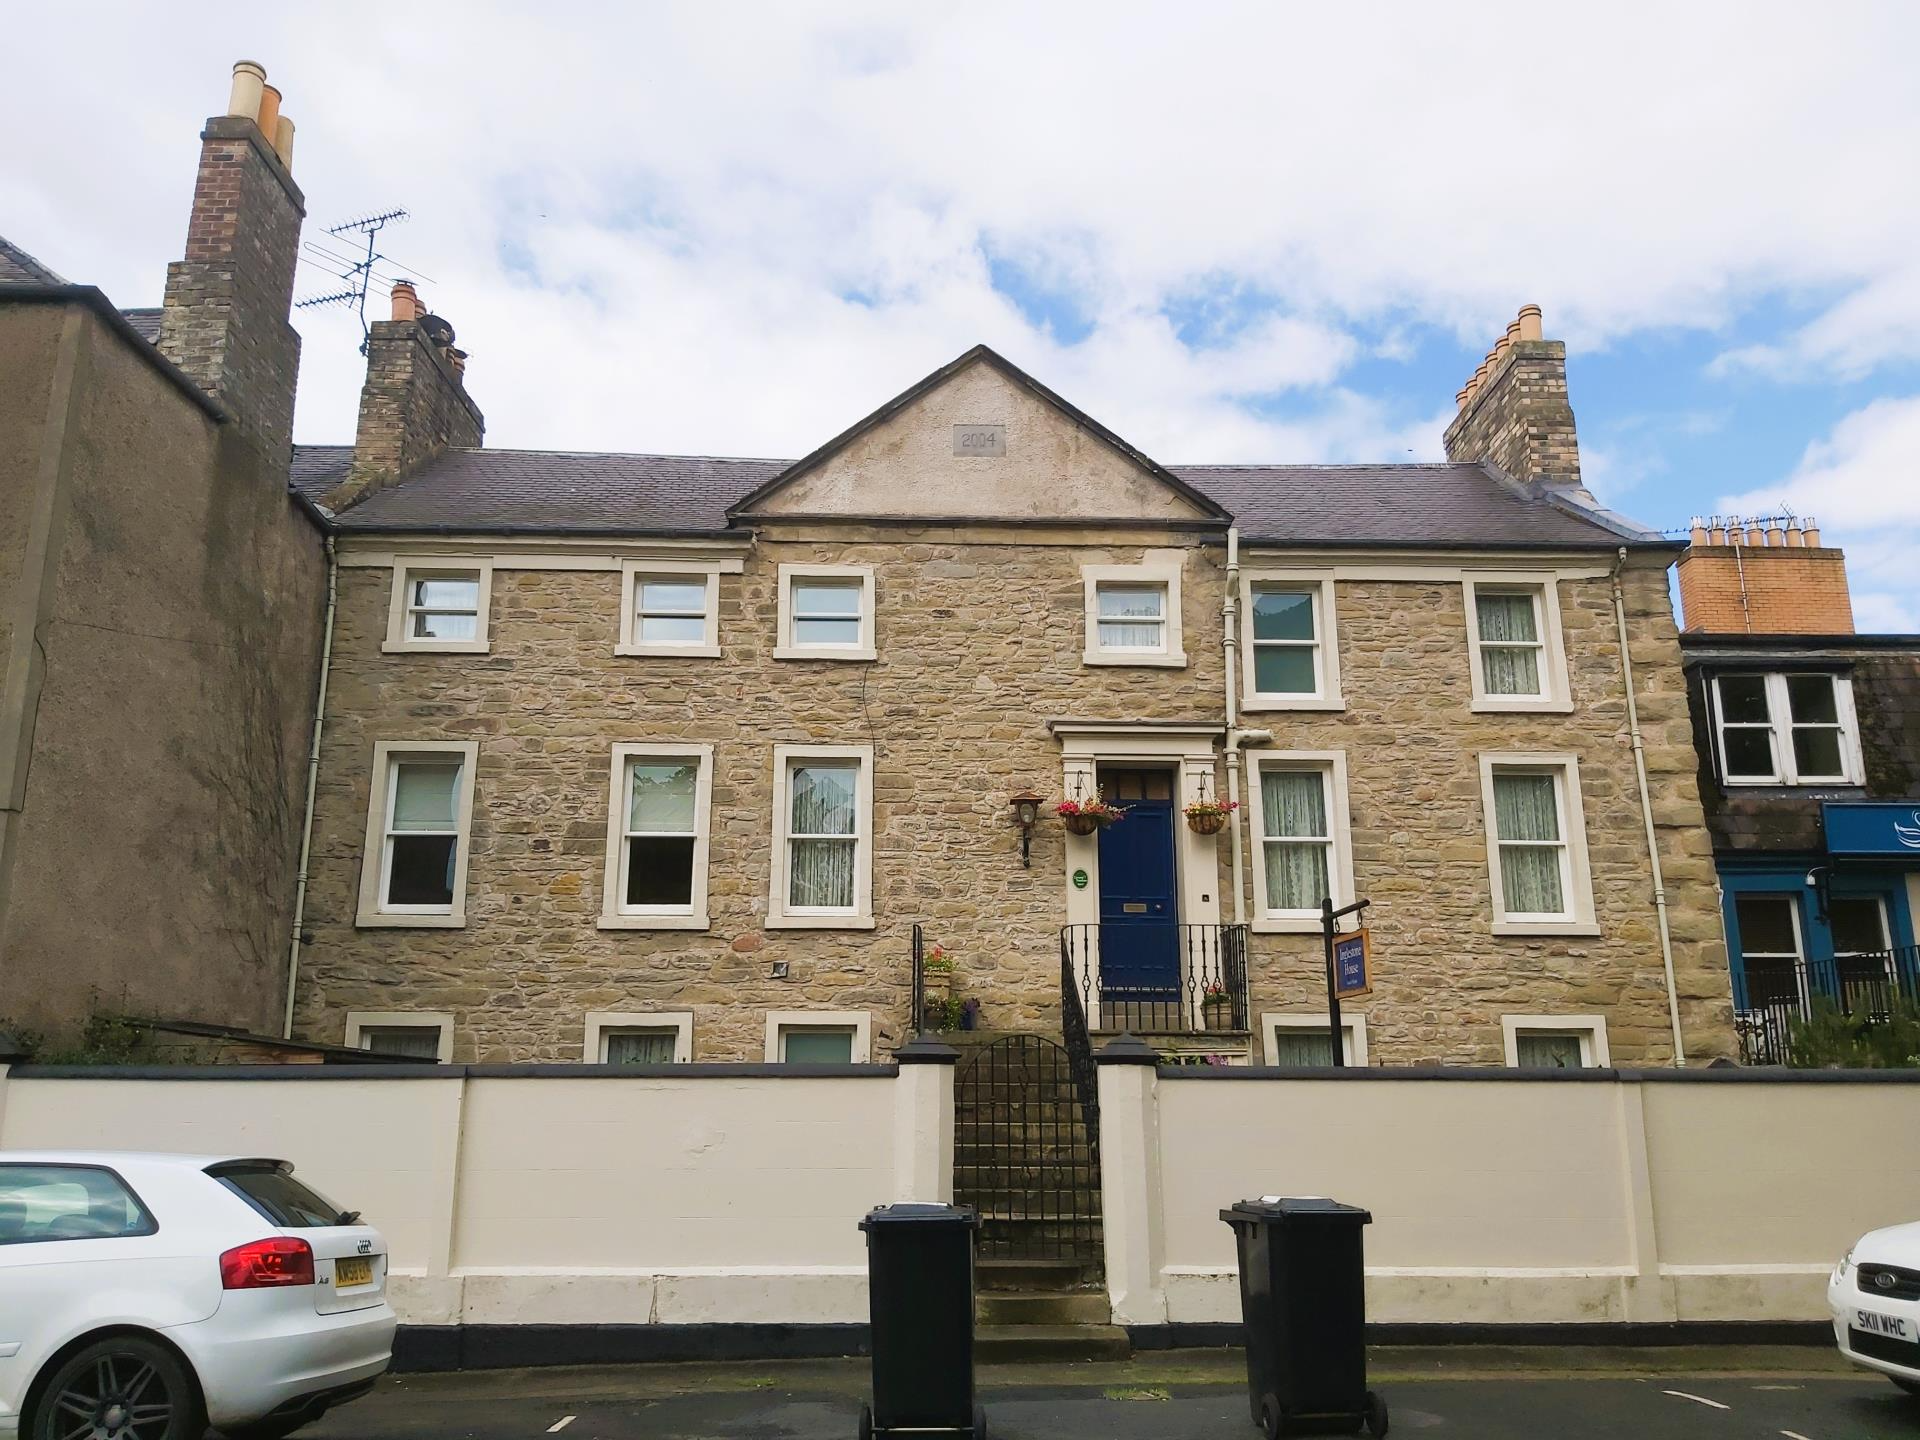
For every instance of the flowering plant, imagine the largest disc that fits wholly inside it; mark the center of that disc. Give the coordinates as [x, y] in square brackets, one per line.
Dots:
[1096, 808]
[1214, 991]
[938, 962]
[1207, 806]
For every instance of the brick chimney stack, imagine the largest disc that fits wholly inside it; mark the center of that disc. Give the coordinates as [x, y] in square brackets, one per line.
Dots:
[227, 301]
[1514, 410]
[1762, 575]
[415, 403]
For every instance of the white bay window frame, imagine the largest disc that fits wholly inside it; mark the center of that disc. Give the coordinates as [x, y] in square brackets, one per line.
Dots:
[1576, 917]
[376, 857]
[1170, 653]
[858, 579]
[1331, 767]
[781, 914]
[615, 913]
[1780, 726]
[1326, 694]
[1555, 695]
[634, 576]
[408, 571]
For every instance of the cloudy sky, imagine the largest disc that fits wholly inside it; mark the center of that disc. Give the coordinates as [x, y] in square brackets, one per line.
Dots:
[1231, 232]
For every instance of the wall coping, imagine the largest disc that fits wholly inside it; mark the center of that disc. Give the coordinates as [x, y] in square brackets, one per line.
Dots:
[1723, 1075]
[545, 1071]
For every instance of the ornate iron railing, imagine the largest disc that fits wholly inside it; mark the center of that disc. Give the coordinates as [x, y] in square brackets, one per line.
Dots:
[1073, 1028]
[1172, 979]
[1770, 995]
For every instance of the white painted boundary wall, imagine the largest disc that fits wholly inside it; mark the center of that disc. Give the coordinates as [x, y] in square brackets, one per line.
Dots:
[1644, 1197]
[708, 1194]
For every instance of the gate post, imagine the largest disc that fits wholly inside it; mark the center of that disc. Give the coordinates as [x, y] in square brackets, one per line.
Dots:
[1130, 1181]
[923, 1121]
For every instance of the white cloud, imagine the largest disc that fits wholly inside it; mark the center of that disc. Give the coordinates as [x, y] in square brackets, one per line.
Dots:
[1862, 483]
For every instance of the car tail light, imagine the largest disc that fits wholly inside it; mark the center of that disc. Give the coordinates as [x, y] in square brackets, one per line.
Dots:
[282, 1260]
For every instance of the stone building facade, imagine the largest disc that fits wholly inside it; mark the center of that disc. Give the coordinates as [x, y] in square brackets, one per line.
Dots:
[961, 547]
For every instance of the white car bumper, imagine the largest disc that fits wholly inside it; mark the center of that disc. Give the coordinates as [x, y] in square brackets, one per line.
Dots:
[255, 1359]
[1874, 1330]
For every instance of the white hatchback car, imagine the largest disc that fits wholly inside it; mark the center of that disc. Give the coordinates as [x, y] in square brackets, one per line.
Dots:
[1874, 1294]
[143, 1297]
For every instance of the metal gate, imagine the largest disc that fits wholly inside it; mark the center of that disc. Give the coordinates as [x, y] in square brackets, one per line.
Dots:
[1025, 1155]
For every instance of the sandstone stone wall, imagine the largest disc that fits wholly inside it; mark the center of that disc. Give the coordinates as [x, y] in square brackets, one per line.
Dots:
[980, 637]
[1520, 418]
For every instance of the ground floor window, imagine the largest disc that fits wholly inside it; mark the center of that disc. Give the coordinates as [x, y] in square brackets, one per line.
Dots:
[657, 1037]
[818, 1037]
[413, 1034]
[1555, 1042]
[1306, 1040]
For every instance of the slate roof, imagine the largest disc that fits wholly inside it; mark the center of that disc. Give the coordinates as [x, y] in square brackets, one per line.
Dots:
[17, 267]
[145, 322]
[560, 492]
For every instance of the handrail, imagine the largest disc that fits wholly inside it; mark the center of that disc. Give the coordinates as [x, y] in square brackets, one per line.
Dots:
[1079, 1046]
[917, 1005]
[1207, 989]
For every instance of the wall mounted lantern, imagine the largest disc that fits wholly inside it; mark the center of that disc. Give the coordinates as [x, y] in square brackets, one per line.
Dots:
[1026, 812]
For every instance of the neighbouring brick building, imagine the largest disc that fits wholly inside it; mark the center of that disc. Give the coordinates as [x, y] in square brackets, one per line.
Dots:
[1809, 749]
[665, 757]
[162, 594]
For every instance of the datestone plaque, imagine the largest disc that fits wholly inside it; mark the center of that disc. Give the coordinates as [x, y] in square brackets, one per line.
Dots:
[981, 441]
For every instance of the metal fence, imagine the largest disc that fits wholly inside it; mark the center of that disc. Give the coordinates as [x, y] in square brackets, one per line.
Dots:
[1770, 995]
[1172, 979]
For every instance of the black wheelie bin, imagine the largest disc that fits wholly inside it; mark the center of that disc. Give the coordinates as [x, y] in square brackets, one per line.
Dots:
[1303, 1300]
[920, 1287]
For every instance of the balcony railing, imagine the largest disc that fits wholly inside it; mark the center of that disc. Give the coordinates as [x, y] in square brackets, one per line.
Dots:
[1770, 995]
[1158, 979]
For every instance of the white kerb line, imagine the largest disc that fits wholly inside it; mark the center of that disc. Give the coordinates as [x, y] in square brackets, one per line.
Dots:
[560, 1424]
[1793, 1435]
[1697, 1399]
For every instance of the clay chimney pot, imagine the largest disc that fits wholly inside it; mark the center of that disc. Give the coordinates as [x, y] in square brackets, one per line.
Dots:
[283, 141]
[1696, 532]
[1812, 534]
[1776, 533]
[269, 116]
[1529, 322]
[1716, 532]
[406, 301]
[1755, 535]
[248, 78]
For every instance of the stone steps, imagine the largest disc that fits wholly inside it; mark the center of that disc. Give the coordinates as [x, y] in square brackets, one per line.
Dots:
[1043, 1307]
[1043, 1344]
[1027, 1276]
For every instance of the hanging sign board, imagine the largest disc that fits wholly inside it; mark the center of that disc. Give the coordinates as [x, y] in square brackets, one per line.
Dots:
[1351, 961]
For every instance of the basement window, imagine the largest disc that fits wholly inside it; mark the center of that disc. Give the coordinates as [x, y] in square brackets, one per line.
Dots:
[1781, 729]
[439, 606]
[414, 1034]
[419, 817]
[662, 1037]
[819, 1037]
[1555, 1042]
[1306, 1041]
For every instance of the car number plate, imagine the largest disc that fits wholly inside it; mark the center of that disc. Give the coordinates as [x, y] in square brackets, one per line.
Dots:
[354, 1270]
[1895, 1327]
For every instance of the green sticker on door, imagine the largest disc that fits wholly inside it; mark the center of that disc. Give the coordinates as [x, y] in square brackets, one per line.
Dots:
[1079, 879]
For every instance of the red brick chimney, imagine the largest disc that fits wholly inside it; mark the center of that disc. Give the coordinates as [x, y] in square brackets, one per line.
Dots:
[1514, 410]
[1767, 575]
[227, 302]
[414, 404]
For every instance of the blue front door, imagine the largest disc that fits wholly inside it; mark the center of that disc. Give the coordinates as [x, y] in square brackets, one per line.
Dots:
[1139, 914]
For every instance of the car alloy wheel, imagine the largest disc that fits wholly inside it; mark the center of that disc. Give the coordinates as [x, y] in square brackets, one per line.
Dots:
[119, 1389]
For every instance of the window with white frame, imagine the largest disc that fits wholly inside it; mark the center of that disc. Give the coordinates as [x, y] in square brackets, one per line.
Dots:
[641, 1038]
[1513, 630]
[1536, 844]
[1302, 836]
[1783, 729]
[1555, 1042]
[1306, 1041]
[1133, 615]
[658, 810]
[670, 608]
[439, 605]
[1290, 658]
[819, 1037]
[419, 819]
[1771, 949]
[825, 613]
[823, 832]
[415, 1034]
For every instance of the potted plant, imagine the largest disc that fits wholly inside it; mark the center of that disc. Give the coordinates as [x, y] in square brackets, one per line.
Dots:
[1208, 816]
[1216, 1007]
[937, 974]
[1083, 817]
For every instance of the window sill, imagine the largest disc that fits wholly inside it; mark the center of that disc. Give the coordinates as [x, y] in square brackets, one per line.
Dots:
[801, 652]
[671, 652]
[819, 922]
[435, 647]
[380, 920]
[653, 922]
[1257, 703]
[1532, 705]
[1287, 925]
[1175, 661]
[1546, 929]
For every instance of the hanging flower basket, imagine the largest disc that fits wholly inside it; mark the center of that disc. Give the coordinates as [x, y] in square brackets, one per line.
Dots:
[1209, 817]
[1083, 817]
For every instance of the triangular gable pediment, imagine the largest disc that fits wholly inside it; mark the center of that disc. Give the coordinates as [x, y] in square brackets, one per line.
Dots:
[979, 439]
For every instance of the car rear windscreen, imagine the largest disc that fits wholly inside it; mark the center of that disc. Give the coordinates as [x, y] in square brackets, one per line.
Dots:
[278, 1196]
[67, 1202]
